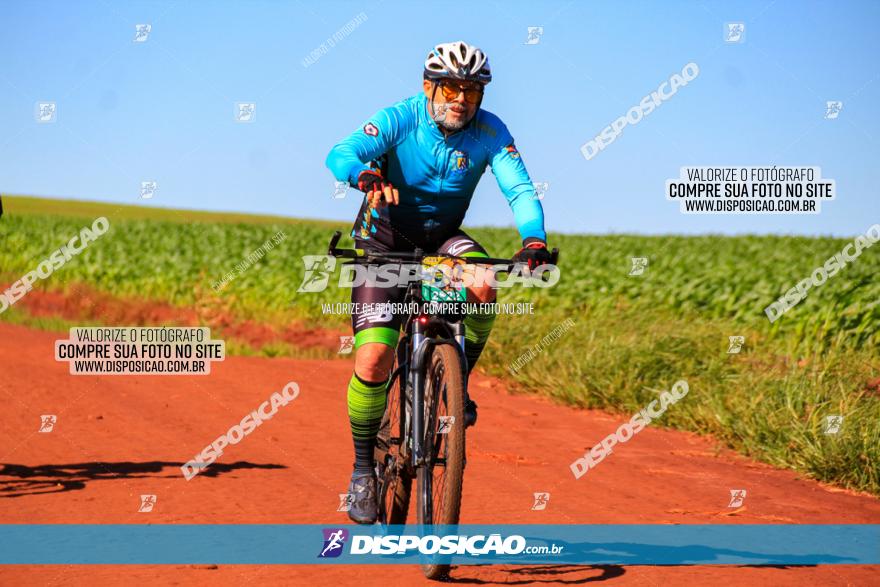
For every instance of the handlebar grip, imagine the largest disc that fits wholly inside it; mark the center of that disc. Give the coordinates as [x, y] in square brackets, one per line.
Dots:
[333, 242]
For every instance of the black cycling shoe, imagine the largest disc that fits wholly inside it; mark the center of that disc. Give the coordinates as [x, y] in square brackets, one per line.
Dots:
[364, 507]
[470, 413]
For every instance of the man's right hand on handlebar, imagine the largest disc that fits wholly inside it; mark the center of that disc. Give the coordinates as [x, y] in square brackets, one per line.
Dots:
[534, 253]
[379, 192]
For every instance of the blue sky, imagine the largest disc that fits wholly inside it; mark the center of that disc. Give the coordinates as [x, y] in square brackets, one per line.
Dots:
[163, 110]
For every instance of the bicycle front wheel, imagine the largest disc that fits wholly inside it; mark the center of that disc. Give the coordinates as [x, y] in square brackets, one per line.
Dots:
[440, 479]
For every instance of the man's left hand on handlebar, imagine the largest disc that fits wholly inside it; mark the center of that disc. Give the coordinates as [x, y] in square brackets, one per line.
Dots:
[534, 253]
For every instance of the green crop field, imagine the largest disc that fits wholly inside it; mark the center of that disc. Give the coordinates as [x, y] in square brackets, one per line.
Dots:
[633, 336]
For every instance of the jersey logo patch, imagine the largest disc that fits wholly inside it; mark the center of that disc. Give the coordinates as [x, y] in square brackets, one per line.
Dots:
[511, 148]
[371, 129]
[460, 163]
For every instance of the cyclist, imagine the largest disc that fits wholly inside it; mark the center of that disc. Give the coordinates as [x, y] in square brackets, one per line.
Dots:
[418, 163]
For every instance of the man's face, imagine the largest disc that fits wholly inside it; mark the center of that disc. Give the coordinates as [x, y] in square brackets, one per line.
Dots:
[455, 102]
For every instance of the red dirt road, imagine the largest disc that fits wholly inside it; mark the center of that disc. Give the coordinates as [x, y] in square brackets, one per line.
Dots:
[119, 437]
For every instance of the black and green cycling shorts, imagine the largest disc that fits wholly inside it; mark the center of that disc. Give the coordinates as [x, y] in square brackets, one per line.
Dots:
[379, 324]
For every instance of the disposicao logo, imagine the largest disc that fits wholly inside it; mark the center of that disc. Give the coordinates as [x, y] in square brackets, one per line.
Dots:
[334, 539]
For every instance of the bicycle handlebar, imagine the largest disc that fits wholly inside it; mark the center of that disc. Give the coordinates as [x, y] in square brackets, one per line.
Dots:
[416, 256]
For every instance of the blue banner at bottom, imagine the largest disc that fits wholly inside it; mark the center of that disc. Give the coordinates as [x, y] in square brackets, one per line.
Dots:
[775, 544]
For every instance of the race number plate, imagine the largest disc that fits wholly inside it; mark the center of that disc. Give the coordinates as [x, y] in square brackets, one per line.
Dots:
[441, 280]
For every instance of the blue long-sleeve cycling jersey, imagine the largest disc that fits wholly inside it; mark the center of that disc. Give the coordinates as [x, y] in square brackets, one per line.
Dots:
[436, 175]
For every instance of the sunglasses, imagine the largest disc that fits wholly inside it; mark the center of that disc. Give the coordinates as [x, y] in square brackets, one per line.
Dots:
[451, 91]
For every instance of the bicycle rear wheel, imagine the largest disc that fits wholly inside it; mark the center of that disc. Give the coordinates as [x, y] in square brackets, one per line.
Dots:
[395, 482]
[440, 479]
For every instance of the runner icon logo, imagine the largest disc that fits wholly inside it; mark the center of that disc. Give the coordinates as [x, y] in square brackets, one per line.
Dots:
[734, 32]
[541, 500]
[345, 502]
[142, 32]
[148, 189]
[47, 423]
[639, 264]
[340, 189]
[737, 497]
[318, 270]
[334, 539]
[147, 503]
[832, 424]
[534, 35]
[541, 188]
[46, 112]
[445, 424]
[346, 344]
[245, 111]
[832, 109]
[735, 344]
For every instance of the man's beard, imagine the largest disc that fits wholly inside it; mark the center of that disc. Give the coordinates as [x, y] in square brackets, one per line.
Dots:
[456, 126]
[443, 120]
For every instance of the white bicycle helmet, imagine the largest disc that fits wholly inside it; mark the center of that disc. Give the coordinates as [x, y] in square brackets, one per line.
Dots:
[458, 60]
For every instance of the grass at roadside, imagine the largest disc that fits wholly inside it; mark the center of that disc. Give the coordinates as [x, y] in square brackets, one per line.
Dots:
[761, 401]
[633, 336]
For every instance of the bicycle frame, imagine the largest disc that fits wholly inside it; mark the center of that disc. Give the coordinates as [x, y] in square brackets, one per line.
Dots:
[412, 350]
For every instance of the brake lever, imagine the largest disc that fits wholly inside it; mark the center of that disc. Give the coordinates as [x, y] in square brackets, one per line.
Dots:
[333, 242]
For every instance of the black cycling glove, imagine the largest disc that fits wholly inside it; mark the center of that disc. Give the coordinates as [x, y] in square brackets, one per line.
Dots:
[370, 181]
[534, 253]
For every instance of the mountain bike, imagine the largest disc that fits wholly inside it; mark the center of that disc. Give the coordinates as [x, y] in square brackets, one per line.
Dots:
[422, 434]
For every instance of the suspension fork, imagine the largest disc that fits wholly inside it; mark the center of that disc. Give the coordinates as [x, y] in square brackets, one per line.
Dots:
[404, 401]
[420, 345]
[458, 334]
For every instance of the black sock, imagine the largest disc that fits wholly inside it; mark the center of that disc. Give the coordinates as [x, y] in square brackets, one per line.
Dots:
[363, 454]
